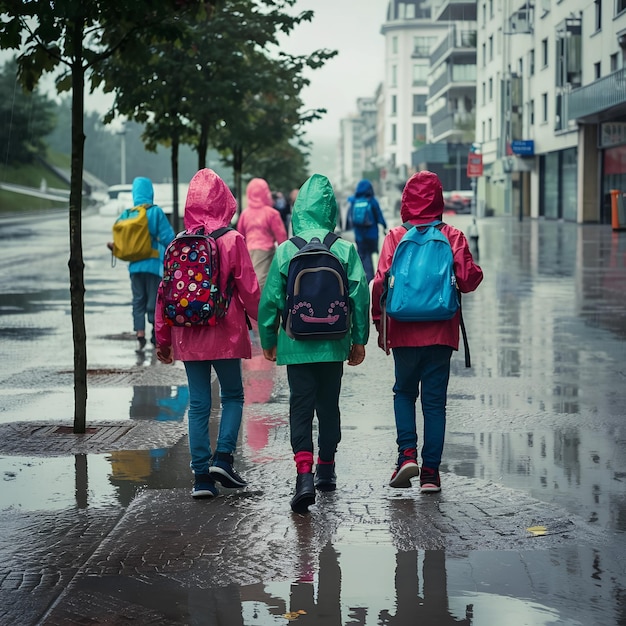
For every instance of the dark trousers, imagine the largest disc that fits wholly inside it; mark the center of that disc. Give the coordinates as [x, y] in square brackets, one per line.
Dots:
[314, 388]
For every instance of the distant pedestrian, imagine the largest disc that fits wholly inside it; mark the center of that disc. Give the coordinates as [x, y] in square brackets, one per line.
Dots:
[262, 227]
[472, 235]
[211, 205]
[421, 350]
[314, 366]
[365, 230]
[145, 275]
[281, 204]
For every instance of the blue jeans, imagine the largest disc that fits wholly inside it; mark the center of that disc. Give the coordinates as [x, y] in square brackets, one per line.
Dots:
[426, 368]
[144, 287]
[231, 395]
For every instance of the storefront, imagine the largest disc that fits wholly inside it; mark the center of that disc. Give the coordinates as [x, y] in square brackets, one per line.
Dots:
[558, 172]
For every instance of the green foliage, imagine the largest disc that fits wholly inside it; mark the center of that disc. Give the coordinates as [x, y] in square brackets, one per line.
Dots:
[25, 119]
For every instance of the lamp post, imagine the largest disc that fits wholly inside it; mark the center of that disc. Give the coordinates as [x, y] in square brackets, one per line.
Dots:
[122, 134]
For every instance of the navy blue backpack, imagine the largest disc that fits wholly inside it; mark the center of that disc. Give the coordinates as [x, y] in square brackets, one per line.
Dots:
[317, 304]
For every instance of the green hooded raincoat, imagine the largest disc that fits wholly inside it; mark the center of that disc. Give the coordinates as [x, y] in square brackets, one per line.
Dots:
[314, 215]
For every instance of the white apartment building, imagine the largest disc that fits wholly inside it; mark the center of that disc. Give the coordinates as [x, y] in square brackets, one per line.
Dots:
[551, 107]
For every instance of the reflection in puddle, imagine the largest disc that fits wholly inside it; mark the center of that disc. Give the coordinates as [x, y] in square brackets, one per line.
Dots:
[363, 585]
[578, 469]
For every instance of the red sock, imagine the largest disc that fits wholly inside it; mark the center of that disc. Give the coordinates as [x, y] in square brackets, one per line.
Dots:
[304, 461]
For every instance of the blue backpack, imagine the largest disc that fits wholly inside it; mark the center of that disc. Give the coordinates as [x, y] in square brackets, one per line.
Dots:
[362, 212]
[421, 285]
[317, 304]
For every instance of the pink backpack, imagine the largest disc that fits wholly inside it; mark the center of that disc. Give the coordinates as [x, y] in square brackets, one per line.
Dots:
[190, 290]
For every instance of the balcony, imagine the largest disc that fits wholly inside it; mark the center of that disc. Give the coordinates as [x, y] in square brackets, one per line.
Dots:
[458, 42]
[455, 11]
[454, 77]
[459, 124]
[588, 103]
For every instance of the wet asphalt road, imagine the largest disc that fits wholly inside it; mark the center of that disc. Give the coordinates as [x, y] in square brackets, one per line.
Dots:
[101, 528]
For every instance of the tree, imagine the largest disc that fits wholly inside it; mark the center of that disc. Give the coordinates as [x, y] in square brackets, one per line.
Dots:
[25, 118]
[73, 38]
[192, 90]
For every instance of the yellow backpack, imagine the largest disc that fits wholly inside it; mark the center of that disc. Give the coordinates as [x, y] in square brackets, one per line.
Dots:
[131, 237]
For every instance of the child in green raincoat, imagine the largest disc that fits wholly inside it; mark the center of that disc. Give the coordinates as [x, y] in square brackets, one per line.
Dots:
[314, 366]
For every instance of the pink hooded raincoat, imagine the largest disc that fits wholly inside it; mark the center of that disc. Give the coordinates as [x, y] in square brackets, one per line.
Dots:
[422, 202]
[261, 223]
[211, 204]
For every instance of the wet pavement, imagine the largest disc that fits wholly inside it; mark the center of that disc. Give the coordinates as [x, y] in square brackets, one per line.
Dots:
[528, 529]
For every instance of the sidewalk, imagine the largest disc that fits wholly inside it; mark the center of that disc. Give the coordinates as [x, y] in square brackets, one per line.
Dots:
[547, 332]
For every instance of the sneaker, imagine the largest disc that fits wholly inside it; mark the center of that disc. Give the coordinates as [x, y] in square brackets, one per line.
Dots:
[204, 487]
[407, 468]
[222, 470]
[325, 477]
[429, 480]
[141, 344]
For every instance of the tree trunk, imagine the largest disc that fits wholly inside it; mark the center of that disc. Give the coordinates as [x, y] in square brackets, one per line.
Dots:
[76, 263]
[237, 168]
[203, 146]
[174, 159]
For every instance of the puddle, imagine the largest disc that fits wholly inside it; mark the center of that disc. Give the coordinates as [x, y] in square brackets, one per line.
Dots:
[377, 585]
[104, 404]
[583, 471]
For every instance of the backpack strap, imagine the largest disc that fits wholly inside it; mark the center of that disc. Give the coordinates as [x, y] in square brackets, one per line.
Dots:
[298, 241]
[220, 231]
[329, 240]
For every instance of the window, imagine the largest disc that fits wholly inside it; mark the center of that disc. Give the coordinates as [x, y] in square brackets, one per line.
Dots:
[419, 104]
[621, 5]
[419, 134]
[489, 127]
[596, 70]
[597, 16]
[422, 45]
[484, 93]
[420, 74]
[484, 12]
[520, 67]
[531, 62]
[484, 54]
[394, 105]
[394, 45]
[544, 53]
[491, 47]
[531, 112]
[484, 137]
[394, 75]
[394, 133]
[614, 62]
[491, 9]
[490, 89]
[544, 107]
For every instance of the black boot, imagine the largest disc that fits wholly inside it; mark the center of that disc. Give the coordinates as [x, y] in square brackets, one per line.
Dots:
[325, 477]
[304, 496]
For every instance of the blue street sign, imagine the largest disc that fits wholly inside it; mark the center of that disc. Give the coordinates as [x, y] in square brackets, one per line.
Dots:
[523, 147]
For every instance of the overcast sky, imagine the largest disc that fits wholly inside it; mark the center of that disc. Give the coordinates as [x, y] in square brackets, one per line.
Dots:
[353, 28]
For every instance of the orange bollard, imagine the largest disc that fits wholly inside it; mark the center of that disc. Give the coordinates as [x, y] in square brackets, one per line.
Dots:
[617, 211]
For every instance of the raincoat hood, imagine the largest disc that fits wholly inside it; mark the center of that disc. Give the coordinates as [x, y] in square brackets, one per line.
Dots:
[422, 198]
[210, 202]
[364, 189]
[258, 194]
[143, 191]
[315, 206]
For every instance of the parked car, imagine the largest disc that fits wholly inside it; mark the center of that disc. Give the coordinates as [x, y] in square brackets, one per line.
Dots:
[120, 197]
[458, 201]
